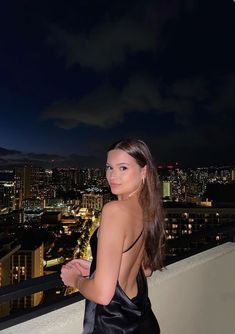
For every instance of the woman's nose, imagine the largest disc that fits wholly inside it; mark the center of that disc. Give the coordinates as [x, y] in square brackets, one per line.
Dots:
[113, 174]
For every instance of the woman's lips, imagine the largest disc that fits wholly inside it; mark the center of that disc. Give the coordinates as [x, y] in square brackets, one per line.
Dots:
[114, 184]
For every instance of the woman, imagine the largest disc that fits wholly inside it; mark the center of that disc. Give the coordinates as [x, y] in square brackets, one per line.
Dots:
[129, 247]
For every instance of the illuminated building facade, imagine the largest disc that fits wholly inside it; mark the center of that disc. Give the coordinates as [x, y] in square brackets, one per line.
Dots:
[24, 180]
[6, 252]
[7, 190]
[27, 263]
[94, 201]
[66, 178]
[166, 190]
[184, 220]
[206, 226]
[232, 175]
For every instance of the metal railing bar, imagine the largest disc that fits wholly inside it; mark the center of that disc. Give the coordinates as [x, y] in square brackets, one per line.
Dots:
[37, 311]
[29, 287]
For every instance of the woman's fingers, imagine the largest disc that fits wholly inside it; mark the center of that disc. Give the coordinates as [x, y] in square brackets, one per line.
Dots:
[69, 275]
[81, 262]
[70, 268]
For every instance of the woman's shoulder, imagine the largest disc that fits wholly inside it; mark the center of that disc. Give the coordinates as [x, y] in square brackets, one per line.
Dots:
[114, 215]
[117, 210]
[117, 206]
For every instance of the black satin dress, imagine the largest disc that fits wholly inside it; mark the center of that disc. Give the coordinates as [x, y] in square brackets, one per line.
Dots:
[122, 315]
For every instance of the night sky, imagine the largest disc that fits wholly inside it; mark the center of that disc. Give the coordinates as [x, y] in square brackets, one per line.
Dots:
[75, 76]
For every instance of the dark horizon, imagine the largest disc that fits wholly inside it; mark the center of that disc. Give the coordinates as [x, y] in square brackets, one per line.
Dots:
[76, 161]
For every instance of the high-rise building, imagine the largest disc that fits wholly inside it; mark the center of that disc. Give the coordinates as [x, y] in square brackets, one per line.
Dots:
[94, 201]
[27, 263]
[233, 174]
[166, 190]
[65, 178]
[84, 177]
[186, 220]
[207, 226]
[7, 249]
[39, 181]
[24, 180]
[7, 189]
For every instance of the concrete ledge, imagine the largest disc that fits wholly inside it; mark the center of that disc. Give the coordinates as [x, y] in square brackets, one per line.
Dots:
[66, 320]
[197, 295]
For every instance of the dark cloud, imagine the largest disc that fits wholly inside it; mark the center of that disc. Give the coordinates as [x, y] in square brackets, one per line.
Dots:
[107, 106]
[195, 146]
[107, 44]
[43, 156]
[47, 160]
[6, 152]
[225, 93]
[193, 88]
[102, 107]
[203, 109]
[192, 146]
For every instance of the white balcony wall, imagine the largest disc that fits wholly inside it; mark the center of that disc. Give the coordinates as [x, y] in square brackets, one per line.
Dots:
[192, 296]
[197, 295]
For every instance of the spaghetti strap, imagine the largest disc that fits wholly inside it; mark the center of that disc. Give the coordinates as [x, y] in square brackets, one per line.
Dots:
[133, 242]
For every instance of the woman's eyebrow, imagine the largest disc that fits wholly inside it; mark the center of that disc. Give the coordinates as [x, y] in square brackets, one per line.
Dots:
[118, 164]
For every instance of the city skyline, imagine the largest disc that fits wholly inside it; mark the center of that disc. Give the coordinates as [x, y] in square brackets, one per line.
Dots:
[77, 77]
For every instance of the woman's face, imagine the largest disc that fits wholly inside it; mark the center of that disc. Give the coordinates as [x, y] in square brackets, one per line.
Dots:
[123, 173]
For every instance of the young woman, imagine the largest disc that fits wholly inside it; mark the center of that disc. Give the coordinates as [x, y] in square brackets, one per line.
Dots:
[127, 247]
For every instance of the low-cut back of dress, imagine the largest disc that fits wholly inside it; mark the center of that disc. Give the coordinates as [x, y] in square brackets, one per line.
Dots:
[122, 315]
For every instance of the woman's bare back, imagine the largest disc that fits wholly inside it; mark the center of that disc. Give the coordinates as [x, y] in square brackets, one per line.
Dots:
[132, 255]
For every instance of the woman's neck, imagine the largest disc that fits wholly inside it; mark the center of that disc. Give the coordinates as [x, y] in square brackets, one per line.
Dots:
[133, 194]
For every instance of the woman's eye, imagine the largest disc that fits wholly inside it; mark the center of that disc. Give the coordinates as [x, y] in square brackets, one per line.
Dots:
[123, 168]
[108, 168]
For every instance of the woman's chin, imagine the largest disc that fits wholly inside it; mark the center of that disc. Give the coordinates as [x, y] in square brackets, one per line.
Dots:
[114, 192]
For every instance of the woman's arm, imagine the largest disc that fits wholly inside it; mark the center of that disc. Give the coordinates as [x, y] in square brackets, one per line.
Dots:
[101, 288]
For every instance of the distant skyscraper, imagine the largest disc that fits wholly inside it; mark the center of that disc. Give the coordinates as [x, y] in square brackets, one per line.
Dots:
[7, 189]
[232, 174]
[65, 178]
[24, 178]
[166, 190]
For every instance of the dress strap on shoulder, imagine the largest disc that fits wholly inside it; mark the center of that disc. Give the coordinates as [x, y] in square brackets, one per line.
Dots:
[133, 242]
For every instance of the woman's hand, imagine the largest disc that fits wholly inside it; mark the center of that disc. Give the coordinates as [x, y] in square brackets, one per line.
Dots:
[70, 275]
[82, 265]
[73, 270]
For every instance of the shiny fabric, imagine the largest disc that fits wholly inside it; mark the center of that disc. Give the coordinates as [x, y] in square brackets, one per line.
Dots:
[122, 315]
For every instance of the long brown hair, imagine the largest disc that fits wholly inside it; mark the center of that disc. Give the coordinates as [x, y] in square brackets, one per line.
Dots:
[150, 201]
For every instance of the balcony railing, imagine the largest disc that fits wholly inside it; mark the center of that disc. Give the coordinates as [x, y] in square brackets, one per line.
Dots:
[28, 287]
[163, 304]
